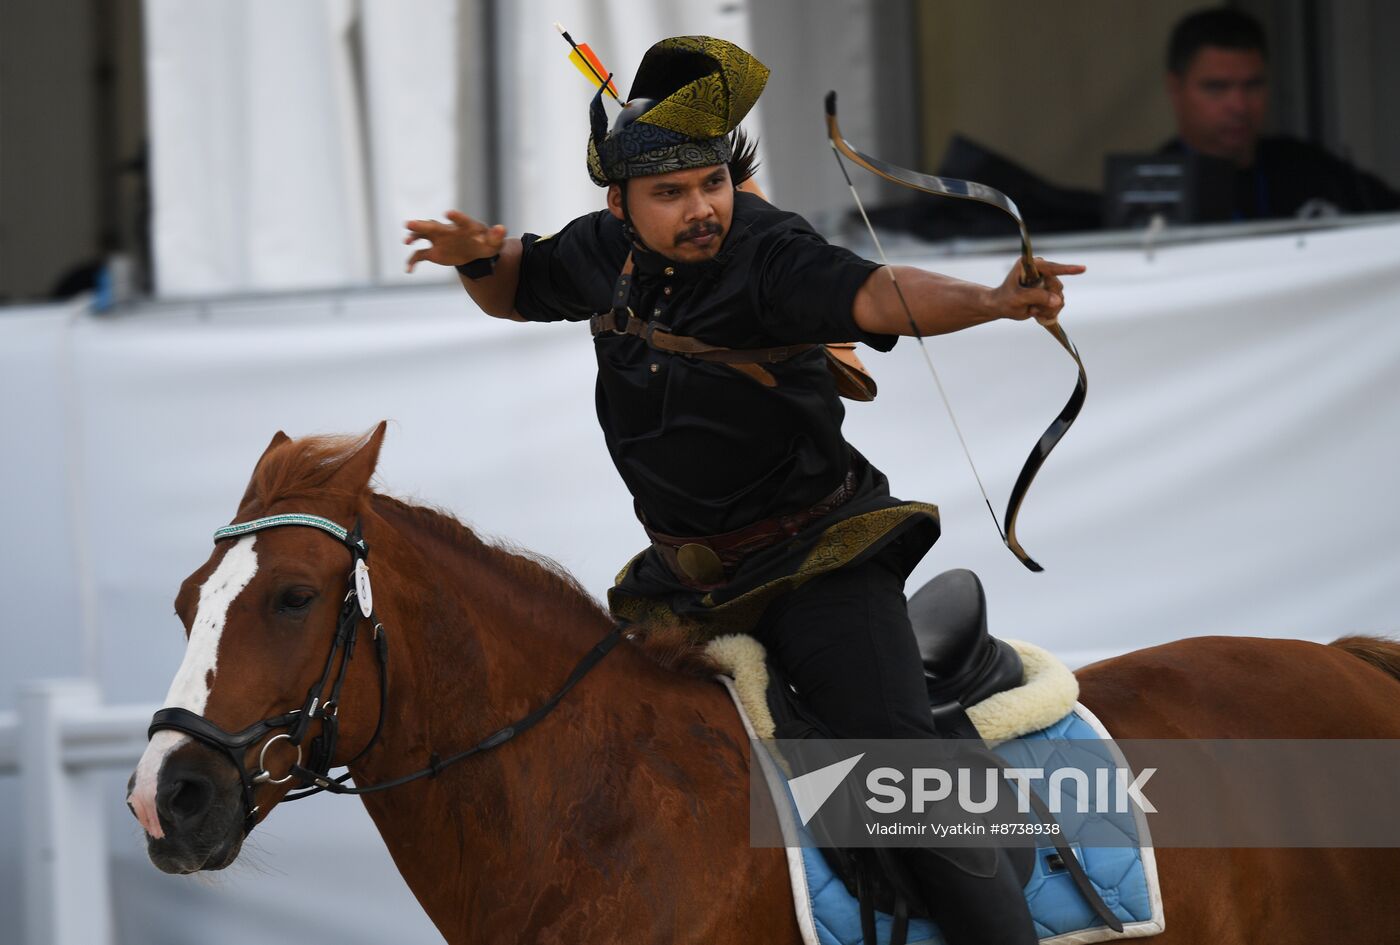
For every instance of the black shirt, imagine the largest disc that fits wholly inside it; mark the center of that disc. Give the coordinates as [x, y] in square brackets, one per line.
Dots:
[703, 448]
[1288, 172]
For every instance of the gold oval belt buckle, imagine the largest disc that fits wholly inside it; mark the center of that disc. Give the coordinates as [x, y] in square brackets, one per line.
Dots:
[700, 563]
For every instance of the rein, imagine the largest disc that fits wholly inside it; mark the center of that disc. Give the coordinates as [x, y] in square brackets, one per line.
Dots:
[315, 776]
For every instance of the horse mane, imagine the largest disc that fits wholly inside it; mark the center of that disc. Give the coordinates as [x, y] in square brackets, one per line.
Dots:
[546, 577]
[668, 645]
[304, 468]
[671, 646]
[1380, 652]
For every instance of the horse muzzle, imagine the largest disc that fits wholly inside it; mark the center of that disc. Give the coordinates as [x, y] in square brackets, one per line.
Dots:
[198, 809]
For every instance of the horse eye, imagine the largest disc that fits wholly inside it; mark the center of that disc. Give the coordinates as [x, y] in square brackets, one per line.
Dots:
[296, 600]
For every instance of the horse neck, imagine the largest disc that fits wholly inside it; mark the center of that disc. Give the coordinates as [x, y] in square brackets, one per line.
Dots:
[476, 614]
[476, 644]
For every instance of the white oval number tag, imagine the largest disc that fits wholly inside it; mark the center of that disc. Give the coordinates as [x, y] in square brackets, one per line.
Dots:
[362, 588]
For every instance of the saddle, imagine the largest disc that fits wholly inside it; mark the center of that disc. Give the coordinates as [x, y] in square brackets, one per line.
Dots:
[963, 665]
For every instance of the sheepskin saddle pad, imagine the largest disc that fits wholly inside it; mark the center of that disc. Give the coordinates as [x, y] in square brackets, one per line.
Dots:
[1022, 724]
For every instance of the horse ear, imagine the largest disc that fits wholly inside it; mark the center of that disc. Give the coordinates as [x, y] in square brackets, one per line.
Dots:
[354, 476]
[278, 439]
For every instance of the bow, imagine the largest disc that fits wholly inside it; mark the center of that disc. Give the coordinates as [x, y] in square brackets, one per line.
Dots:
[969, 190]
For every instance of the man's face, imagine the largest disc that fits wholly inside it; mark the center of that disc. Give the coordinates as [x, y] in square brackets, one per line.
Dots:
[683, 215]
[1220, 101]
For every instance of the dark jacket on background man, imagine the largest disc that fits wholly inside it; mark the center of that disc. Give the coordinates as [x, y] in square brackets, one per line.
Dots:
[1288, 172]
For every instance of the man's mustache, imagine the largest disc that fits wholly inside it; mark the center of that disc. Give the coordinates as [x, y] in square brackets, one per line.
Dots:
[699, 230]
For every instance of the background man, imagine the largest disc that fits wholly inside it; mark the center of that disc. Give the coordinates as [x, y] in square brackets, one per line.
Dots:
[1217, 80]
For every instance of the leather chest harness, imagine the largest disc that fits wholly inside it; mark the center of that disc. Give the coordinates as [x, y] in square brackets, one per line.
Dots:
[853, 381]
[706, 562]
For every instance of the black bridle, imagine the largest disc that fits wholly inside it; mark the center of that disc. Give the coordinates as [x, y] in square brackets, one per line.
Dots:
[293, 726]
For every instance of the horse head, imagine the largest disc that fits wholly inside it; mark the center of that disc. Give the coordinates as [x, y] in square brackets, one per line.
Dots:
[256, 688]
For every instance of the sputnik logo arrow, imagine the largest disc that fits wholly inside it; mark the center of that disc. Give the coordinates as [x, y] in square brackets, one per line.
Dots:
[810, 791]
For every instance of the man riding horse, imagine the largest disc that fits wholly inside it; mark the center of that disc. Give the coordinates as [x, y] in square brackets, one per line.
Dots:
[718, 399]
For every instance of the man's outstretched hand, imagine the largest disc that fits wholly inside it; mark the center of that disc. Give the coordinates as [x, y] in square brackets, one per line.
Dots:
[1042, 302]
[455, 243]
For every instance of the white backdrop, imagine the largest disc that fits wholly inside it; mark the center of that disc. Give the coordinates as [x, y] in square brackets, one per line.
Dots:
[290, 141]
[1232, 472]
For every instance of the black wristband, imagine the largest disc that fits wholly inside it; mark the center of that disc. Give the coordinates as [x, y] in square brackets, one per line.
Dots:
[479, 268]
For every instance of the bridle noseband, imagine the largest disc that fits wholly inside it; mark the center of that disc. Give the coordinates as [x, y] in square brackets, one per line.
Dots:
[293, 726]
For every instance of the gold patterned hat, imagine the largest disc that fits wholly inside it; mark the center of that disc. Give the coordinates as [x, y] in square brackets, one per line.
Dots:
[689, 94]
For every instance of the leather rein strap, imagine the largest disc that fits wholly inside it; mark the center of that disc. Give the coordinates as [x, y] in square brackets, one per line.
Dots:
[292, 726]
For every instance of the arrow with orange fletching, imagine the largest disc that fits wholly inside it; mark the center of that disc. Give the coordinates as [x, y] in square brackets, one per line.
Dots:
[587, 62]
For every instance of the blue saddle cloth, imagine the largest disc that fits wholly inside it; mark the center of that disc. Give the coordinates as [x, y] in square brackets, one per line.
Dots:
[1124, 876]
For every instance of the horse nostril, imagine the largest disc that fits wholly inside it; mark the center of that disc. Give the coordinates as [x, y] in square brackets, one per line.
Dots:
[185, 800]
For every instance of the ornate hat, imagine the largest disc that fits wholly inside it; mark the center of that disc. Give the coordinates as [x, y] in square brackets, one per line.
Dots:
[689, 94]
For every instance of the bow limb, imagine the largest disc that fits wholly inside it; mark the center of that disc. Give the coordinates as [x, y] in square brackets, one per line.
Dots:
[1047, 442]
[970, 190]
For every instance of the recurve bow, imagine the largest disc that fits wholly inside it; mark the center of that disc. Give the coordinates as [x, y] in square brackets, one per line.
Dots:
[969, 190]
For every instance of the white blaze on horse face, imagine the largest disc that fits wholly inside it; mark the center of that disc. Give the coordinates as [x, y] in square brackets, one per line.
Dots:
[190, 688]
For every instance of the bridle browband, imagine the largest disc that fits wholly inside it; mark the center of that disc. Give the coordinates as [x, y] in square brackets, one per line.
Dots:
[315, 776]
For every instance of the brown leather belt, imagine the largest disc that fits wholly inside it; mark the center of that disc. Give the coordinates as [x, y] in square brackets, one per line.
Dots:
[706, 562]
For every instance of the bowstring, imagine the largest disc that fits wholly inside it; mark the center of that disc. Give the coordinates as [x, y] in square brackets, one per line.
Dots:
[918, 336]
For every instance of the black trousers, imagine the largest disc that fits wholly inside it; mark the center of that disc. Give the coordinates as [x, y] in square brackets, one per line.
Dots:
[844, 640]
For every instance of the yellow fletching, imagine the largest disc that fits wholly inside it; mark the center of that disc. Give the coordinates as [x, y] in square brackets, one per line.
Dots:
[591, 71]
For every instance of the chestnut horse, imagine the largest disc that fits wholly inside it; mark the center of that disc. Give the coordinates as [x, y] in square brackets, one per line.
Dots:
[623, 816]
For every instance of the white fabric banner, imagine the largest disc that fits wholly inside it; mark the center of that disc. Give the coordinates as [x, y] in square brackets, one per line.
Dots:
[1233, 472]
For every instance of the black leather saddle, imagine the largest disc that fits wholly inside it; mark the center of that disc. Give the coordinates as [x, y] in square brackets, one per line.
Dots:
[963, 663]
